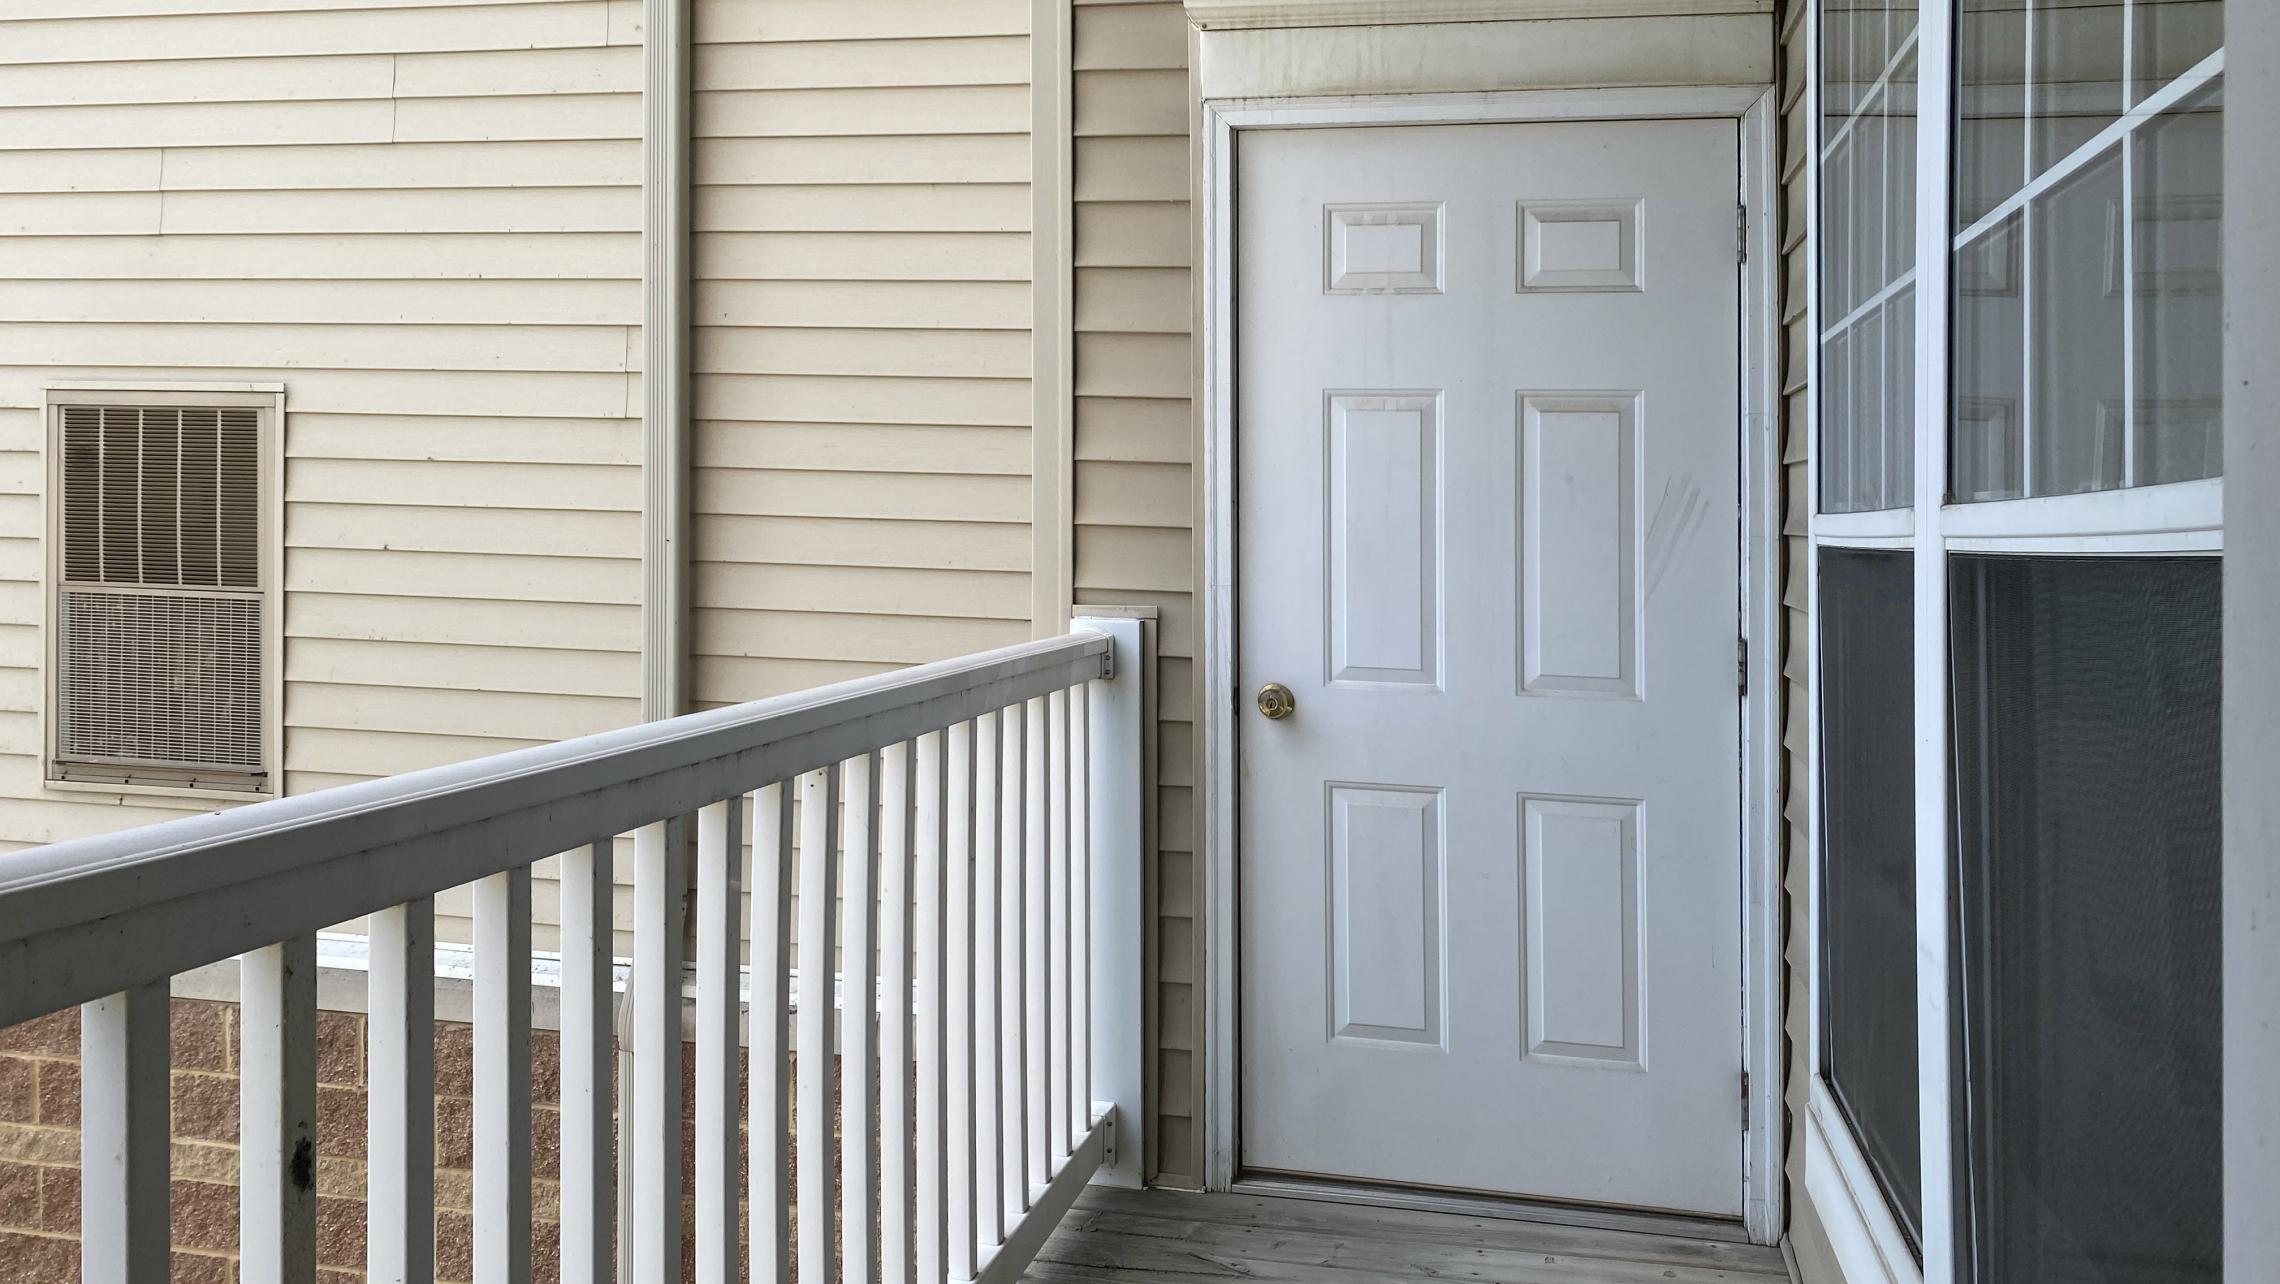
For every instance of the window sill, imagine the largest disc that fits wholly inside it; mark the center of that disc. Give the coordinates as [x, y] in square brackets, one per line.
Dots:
[1861, 1229]
[80, 789]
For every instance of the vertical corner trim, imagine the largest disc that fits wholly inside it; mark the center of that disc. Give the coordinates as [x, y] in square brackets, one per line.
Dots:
[665, 286]
[1052, 333]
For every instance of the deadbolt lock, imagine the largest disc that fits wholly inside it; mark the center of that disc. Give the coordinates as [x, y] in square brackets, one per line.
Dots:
[1276, 701]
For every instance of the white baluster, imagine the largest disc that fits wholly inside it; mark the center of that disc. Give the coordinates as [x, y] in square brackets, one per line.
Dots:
[818, 1020]
[588, 1050]
[1057, 914]
[277, 1113]
[858, 1076]
[989, 1125]
[1036, 850]
[1080, 916]
[929, 937]
[502, 1078]
[769, 1104]
[400, 1100]
[1013, 982]
[960, 857]
[894, 1014]
[124, 1155]
[660, 921]
[720, 925]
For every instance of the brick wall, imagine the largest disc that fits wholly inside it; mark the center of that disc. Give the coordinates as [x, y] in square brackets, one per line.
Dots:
[39, 1148]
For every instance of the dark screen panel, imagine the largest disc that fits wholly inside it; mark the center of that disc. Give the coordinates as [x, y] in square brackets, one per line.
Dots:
[2087, 936]
[1868, 861]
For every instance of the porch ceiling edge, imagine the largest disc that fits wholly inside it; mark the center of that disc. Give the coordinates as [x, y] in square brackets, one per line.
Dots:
[1227, 15]
[1596, 52]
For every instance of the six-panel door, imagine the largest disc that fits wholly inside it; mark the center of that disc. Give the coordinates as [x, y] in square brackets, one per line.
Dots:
[1489, 867]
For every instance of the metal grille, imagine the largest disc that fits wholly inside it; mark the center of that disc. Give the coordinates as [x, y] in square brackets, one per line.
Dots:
[160, 679]
[164, 496]
[157, 498]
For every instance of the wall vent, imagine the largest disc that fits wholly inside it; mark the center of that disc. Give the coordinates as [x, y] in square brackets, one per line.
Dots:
[159, 613]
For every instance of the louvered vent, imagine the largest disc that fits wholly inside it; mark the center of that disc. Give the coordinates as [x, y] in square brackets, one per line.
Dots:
[160, 619]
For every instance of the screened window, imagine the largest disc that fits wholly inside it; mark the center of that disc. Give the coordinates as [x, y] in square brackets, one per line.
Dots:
[1868, 862]
[160, 614]
[2087, 853]
[2032, 738]
[2088, 195]
[1868, 254]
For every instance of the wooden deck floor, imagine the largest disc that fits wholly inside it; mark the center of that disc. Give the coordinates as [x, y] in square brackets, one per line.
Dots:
[1177, 1237]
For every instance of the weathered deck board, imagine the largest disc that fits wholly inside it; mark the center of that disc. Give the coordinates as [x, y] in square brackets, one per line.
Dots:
[1389, 1205]
[1176, 1237]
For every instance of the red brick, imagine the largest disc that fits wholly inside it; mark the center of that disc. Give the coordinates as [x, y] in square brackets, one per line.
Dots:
[545, 1253]
[341, 1122]
[454, 1247]
[19, 1090]
[340, 1233]
[54, 1035]
[59, 1093]
[340, 1048]
[206, 1107]
[454, 1133]
[205, 1216]
[59, 1200]
[201, 1035]
[198, 1268]
[20, 1196]
[454, 1059]
[545, 1142]
[545, 1067]
[39, 1258]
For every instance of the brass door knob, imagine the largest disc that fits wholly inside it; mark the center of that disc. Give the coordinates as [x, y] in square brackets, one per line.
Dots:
[1276, 701]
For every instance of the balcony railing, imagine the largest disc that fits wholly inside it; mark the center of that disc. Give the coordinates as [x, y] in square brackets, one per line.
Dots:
[960, 839]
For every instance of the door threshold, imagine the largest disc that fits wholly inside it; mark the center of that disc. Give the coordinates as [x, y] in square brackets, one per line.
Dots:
[1549, 1212]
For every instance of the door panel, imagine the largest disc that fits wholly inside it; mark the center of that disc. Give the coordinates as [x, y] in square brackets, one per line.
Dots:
[1489, 867]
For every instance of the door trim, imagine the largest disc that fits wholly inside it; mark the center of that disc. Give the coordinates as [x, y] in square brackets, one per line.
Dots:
[1755, 111]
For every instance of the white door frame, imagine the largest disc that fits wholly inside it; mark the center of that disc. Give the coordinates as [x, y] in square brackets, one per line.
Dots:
[1754, 108]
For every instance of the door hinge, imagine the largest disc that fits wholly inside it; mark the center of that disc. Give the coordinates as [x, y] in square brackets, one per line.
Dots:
[1745, 1101]
[1741, 233]
[1742, 664]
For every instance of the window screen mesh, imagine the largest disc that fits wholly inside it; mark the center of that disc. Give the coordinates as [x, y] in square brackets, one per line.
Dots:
[159, 617]
[2087, 942]
[1868, 861]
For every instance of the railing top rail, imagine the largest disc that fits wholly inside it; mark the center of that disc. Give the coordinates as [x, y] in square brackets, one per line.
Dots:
[92, 916]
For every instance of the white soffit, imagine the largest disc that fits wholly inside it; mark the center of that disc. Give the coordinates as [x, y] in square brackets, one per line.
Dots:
[1598, 52]
[1227, 15]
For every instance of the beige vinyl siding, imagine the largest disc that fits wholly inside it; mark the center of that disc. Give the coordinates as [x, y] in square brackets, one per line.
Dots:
[862, 347]
[424, 220]
[1807, 1239]
[1134, 481]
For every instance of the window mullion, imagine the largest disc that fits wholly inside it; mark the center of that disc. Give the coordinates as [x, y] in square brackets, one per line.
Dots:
[1816, 451]
[2129, 287]
[1934, 264]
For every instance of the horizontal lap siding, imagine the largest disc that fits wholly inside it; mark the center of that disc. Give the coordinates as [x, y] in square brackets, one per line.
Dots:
[862, 308]
[1807, 1238]
[423, 219]
[1133, 505]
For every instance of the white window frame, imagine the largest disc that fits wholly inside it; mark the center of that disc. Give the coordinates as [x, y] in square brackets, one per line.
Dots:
[269, 399]
[2170, 519]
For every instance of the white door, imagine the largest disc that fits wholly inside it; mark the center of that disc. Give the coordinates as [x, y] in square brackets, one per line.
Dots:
[1490, 865]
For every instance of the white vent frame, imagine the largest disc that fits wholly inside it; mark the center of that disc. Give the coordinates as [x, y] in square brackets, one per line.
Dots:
[268, 399]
